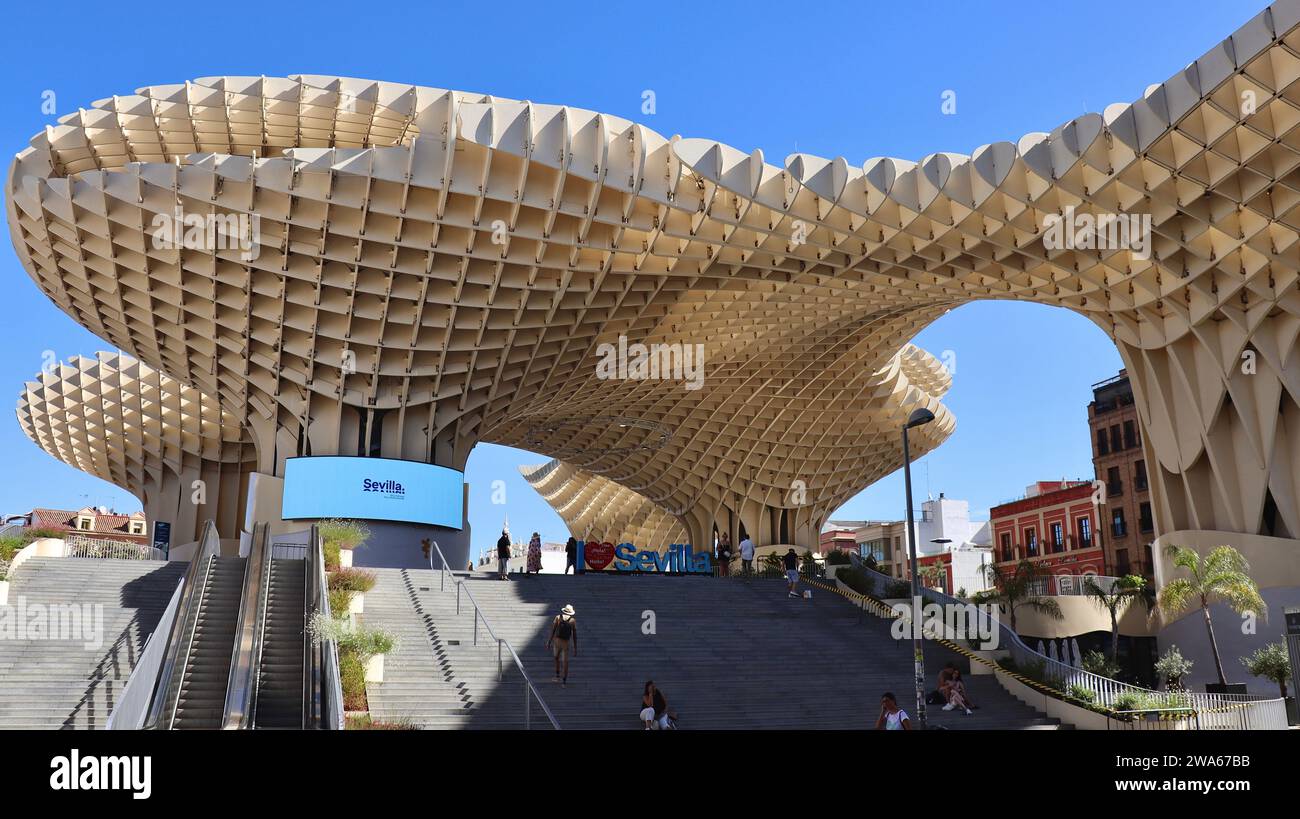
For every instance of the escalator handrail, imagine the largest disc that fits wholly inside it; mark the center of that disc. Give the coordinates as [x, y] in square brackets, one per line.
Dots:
[322, 690]
[245, 659]
[172, 666]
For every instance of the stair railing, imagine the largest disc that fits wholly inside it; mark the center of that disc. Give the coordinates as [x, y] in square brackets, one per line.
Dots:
[171, 670]
[246, 658]
[1215, 711]
[133, 706]
[322, 705]
[530, 690]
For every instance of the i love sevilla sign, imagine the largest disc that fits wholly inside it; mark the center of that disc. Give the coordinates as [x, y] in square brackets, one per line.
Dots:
[625, 557]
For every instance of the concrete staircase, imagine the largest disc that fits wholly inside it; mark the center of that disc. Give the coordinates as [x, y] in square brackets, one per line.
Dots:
[726, 653]
[280, 684]
[207, 673]
[55, 684]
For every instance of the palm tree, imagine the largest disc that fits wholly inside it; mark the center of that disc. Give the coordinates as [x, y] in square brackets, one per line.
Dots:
[935, 576]
[1220, 576]
[1122, 591]
[1017, 587]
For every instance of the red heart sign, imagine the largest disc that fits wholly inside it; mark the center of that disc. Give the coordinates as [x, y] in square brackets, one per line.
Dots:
[598, 555]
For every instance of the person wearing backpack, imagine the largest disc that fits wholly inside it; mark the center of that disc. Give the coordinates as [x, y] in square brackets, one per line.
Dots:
[563, 637]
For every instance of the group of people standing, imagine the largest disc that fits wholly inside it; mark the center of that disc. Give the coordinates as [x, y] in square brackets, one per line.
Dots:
[725, 554]
[534, 564]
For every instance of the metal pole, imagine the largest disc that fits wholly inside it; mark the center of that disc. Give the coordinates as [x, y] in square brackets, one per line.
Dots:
[528, 708]
[917, 654]
[476, 625]
[457, 598]
[500, 673]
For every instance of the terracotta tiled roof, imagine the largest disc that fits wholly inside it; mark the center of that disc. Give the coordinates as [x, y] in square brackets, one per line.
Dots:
[111, 525]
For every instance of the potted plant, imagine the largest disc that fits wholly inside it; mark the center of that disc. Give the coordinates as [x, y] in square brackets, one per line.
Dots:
[1272, 663]
[340, 538]
[347, 590]
[1172, 667]
[361, 655]
[1220, 576]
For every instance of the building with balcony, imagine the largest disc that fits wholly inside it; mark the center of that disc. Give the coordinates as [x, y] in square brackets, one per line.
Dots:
[1054, 525]
[1121, 467]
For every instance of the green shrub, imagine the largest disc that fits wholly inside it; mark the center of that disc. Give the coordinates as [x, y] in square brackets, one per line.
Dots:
[837, 558]
[337, 534]
[1094, 662]
[352, 676]
[898, 588]
[355, 580]
[340, 600]
[857, 580]
[364, 722]
[1082, 693]
[348, 534]
[1129, 701]
[1035, 670]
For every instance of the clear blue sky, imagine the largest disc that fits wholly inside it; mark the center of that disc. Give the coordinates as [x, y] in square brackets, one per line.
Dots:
[858, 79]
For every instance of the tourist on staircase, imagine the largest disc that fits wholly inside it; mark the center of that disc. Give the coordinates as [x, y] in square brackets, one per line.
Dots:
[535, 554]
[892, 718]
[563, 639]
[791, 561]
[747, 556]
[503, 556]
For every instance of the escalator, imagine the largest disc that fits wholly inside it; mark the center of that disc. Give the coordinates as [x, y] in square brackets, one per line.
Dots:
[202, 697]
[233, 649]
[279, 702]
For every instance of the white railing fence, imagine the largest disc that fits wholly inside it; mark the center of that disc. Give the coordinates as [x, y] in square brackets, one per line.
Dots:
[84, 546]
[1211, 711]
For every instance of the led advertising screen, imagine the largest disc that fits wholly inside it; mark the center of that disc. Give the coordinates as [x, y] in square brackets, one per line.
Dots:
[373, 489]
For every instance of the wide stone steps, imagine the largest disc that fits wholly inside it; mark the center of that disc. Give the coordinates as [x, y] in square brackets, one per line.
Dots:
[727, 654]
[74, 683]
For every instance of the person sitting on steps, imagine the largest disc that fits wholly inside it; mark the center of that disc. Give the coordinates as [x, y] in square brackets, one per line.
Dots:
[654, 709]
[953, 689]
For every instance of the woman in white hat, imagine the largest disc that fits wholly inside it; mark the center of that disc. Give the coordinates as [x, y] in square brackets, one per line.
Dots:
[563, 638]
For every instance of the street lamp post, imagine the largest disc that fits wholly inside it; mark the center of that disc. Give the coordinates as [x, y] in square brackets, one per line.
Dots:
[941, 542]
[916, 419]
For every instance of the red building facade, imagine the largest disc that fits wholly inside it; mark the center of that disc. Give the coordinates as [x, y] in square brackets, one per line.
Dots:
[1055, 526]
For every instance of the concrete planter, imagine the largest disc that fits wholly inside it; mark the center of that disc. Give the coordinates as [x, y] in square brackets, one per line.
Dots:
[4, 592]
[375, 669]
[345, 558]
[358, 603]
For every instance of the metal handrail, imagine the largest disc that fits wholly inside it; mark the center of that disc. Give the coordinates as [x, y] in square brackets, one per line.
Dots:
[530, 690]
[1062, 677]
[162, 704]
[132, 706]
[322, 685]
[246, 658]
